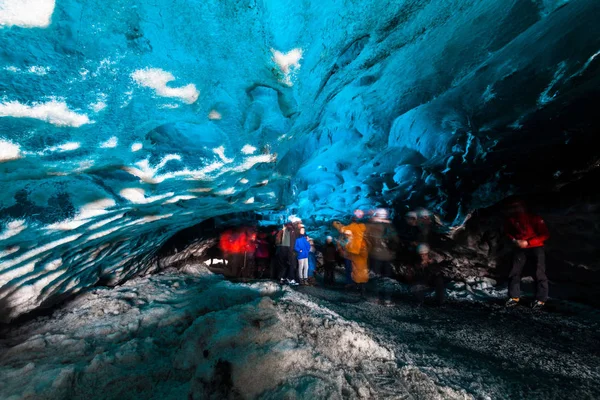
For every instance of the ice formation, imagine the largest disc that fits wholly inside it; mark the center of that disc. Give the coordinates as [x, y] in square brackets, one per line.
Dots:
[121, 125]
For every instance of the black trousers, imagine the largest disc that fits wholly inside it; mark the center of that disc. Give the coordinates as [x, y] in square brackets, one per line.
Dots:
[384, 269]
[329, 267]
[514, 279]
[286, 263]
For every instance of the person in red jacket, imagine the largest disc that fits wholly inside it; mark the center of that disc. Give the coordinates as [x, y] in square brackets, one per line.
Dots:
[528, 232]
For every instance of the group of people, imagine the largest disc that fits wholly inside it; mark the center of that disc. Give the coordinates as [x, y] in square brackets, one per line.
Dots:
[370, 242]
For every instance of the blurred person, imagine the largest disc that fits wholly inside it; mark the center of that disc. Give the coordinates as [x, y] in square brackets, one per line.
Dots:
[356, 250]
[383, 241]
[427, 274]
[312, 263]
[302, 249]
[262, 256]
[528, 232]
[330, 255]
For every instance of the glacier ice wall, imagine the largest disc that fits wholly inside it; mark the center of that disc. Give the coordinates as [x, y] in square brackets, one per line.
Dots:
[124, 122]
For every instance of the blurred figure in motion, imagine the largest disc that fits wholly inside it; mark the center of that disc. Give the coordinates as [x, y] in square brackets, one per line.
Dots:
[424, 225]
[302, 248]
[528, 232]
[234, 245]
[330, 256]
[262, 256]
[425, 275]
[382, 243]
[312, 263]
[341, 248]
[356, 250]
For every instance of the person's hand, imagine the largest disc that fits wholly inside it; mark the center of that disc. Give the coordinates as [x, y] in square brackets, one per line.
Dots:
[522, 243]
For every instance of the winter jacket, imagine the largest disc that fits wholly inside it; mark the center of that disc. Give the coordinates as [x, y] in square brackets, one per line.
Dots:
[283, 238]
[528, 227]
[302, 247]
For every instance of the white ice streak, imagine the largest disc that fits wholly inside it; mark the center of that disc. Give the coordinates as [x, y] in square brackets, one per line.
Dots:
[9, 151]
[111, 143]
[157, 79]
[28, 255]
[26, 13]
[85, 214]
[226, 192]
[147, 173]
[220, 151]
[54, 112]
[138, 196]
[13, 228]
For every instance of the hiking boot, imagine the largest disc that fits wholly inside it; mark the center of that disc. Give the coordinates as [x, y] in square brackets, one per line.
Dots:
[537, 305]
[512, 302]
[282, 281]
[292, 283]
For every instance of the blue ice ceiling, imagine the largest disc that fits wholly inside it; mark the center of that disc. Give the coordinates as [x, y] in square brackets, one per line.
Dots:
[122, 122]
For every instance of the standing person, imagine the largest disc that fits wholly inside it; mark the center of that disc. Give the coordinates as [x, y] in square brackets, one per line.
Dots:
[284, 255]
[262, 256]
[356, 251]
[427, 274]
[302, 248]
[312, 263]
[528, 232]
[383, 241]
[330, 259]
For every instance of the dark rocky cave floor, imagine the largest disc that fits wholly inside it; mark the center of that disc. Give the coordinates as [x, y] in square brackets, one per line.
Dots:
[173, 334]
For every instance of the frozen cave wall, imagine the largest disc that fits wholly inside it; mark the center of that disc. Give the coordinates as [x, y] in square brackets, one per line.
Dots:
[124, 122]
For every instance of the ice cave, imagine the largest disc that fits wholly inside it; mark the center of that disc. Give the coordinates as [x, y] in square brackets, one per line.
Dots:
[285, 199]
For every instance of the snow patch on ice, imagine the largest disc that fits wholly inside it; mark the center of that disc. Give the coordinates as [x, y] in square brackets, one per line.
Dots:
[287, 62]
[157, 79]
[54, 112]
[247, 149]
[9, 151]
[136, 147]
[214, 115]
[26, 13]
[111, 143]
[220, 151]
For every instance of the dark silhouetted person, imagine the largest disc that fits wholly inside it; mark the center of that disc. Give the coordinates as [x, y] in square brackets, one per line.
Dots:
[382, 241]
[528, 232]
[427, 274]
[329, 260]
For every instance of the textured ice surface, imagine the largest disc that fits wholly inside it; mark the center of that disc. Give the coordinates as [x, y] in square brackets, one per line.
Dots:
[190, 334]
[123, 122]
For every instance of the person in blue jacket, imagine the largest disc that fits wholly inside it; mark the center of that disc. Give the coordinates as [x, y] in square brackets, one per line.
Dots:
[302, 248]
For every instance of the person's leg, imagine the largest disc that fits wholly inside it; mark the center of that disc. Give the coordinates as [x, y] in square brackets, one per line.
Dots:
[514, 278]
[540, 274]
[348, 268]
[440, 290]
[292, 273]
[329, 273]
[304, 269]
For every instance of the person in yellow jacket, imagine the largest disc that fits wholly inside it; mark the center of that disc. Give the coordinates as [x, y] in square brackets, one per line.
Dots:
[356, 250]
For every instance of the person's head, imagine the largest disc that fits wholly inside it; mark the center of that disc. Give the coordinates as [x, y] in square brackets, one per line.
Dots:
[424, 215]
[423, 252]
[380, 214]
[302, 231]
[411, 218]
[359, 214]
[348, 233]
[329, 239]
